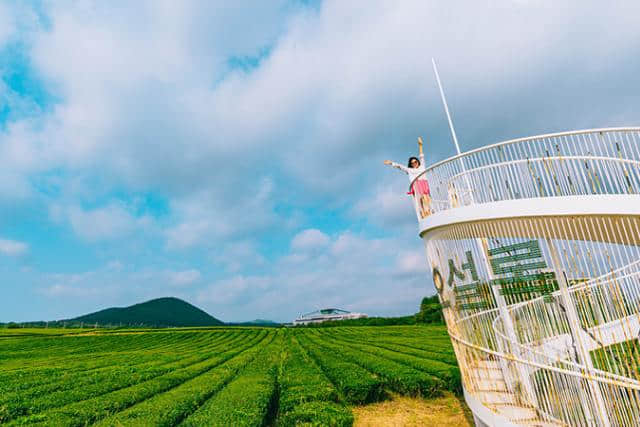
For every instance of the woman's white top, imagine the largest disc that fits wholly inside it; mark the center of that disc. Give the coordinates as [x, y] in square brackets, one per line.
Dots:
[412, 172]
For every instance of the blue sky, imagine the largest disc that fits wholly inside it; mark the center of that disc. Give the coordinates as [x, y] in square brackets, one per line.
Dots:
[231, 155]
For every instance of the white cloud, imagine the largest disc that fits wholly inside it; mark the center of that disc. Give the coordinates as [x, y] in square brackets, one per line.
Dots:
[77, 285]
[239, 256]
[295, 258]
[411, 263]
[309, 239]
[114, 285]
[351, 244]
[184, 278]
[108, 222]
[192, 232]
[206, 216]
[7, 25]
[20, 156]
[230, 291]
[13, 247]
[387, 206]
[62, 290]
[115, 265]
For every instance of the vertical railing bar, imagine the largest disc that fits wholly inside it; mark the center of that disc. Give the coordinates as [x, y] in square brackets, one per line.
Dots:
[613, 166]
[576, 331]
[577, 177]
[602, 165]
[599, 176]
[586, 189]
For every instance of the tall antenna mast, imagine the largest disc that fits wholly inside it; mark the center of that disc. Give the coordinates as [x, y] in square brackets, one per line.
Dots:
[453, 131]
[446, 108]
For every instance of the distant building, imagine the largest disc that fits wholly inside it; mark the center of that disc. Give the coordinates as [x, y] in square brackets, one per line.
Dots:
[327, 314]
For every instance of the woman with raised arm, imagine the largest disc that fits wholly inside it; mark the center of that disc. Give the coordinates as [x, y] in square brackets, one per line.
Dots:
[420, 187]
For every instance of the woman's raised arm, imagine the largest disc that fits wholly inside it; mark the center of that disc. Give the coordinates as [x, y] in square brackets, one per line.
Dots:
[396, 165]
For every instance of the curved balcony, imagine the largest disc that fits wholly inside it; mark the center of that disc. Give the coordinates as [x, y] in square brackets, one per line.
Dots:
[578, 163]
[540, 238]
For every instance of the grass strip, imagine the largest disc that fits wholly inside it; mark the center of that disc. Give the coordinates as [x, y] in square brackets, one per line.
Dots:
[38, 399]
[398, 377]
[356, 384]
[307, 397]
[398, 345]
[248, 400]
[450, 375]
[169, 408]
[91, 410]
[41, 381]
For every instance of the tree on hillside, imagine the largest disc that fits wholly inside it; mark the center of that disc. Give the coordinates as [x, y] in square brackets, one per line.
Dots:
[430, 311]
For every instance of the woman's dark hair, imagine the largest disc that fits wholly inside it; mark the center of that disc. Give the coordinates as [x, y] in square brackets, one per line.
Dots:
[412, 158]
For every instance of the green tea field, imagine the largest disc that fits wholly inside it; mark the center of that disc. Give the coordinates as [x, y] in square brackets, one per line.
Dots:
[217, 376]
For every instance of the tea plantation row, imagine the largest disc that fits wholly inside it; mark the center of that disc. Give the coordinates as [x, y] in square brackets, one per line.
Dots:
[218, 376]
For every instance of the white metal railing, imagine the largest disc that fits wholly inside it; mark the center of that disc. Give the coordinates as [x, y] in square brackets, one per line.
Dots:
[597, 161]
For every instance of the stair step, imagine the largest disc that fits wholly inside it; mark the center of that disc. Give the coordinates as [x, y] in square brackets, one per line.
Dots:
[538, 423]
[487, 374]
[496, 397]
[514, 413]
[491, 384]
[488, 365]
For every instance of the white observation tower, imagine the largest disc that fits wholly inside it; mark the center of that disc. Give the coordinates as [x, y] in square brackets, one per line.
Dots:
[534, 247]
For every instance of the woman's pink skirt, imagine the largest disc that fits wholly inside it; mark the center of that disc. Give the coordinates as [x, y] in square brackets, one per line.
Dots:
[420, 187]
